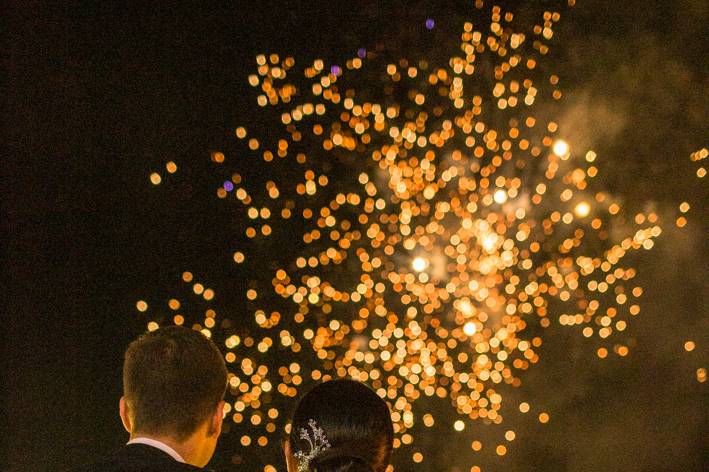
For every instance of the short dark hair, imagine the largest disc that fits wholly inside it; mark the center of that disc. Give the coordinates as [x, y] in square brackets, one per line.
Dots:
[173, 378]
[356, 422]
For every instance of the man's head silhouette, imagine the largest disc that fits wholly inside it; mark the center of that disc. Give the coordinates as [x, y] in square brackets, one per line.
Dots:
[174, 380]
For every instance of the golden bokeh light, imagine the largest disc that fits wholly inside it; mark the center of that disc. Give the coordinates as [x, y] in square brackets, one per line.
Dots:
[561, 148]
[701, 375]
[419, 264]
[582, 209]
[469, 328]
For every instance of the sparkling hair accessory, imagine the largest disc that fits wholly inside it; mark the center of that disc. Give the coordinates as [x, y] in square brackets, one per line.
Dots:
[318, 443]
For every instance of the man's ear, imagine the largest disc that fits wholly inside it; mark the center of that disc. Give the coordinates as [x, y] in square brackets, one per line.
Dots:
[215, 422]
[124, 411]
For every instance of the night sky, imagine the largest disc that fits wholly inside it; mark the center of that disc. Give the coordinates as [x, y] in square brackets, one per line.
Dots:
[99, 96]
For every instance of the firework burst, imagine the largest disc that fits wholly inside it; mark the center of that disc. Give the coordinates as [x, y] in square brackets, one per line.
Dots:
[430, 221]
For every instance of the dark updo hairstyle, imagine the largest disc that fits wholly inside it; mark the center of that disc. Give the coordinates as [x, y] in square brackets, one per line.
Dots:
[356, 422]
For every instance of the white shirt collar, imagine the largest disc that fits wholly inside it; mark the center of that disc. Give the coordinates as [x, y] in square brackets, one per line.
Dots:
[159, 445]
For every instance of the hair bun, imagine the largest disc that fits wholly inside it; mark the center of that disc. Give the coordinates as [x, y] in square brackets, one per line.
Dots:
[340, 459]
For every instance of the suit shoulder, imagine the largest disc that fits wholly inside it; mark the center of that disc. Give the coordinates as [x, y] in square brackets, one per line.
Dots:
[137, 458]
[102, 466]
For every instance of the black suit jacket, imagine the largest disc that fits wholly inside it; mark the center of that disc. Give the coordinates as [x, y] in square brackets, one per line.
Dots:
[139, 458]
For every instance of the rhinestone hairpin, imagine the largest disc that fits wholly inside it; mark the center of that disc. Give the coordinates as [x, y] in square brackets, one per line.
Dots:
[318, 443]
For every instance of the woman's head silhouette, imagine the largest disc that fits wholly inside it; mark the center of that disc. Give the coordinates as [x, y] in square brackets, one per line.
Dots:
[340, 426]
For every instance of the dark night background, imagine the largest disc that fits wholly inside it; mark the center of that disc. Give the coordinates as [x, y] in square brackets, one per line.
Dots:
[99, 95]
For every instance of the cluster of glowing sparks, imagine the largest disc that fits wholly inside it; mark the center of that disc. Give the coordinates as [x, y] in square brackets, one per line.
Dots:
[698, 156]
[442, 224]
